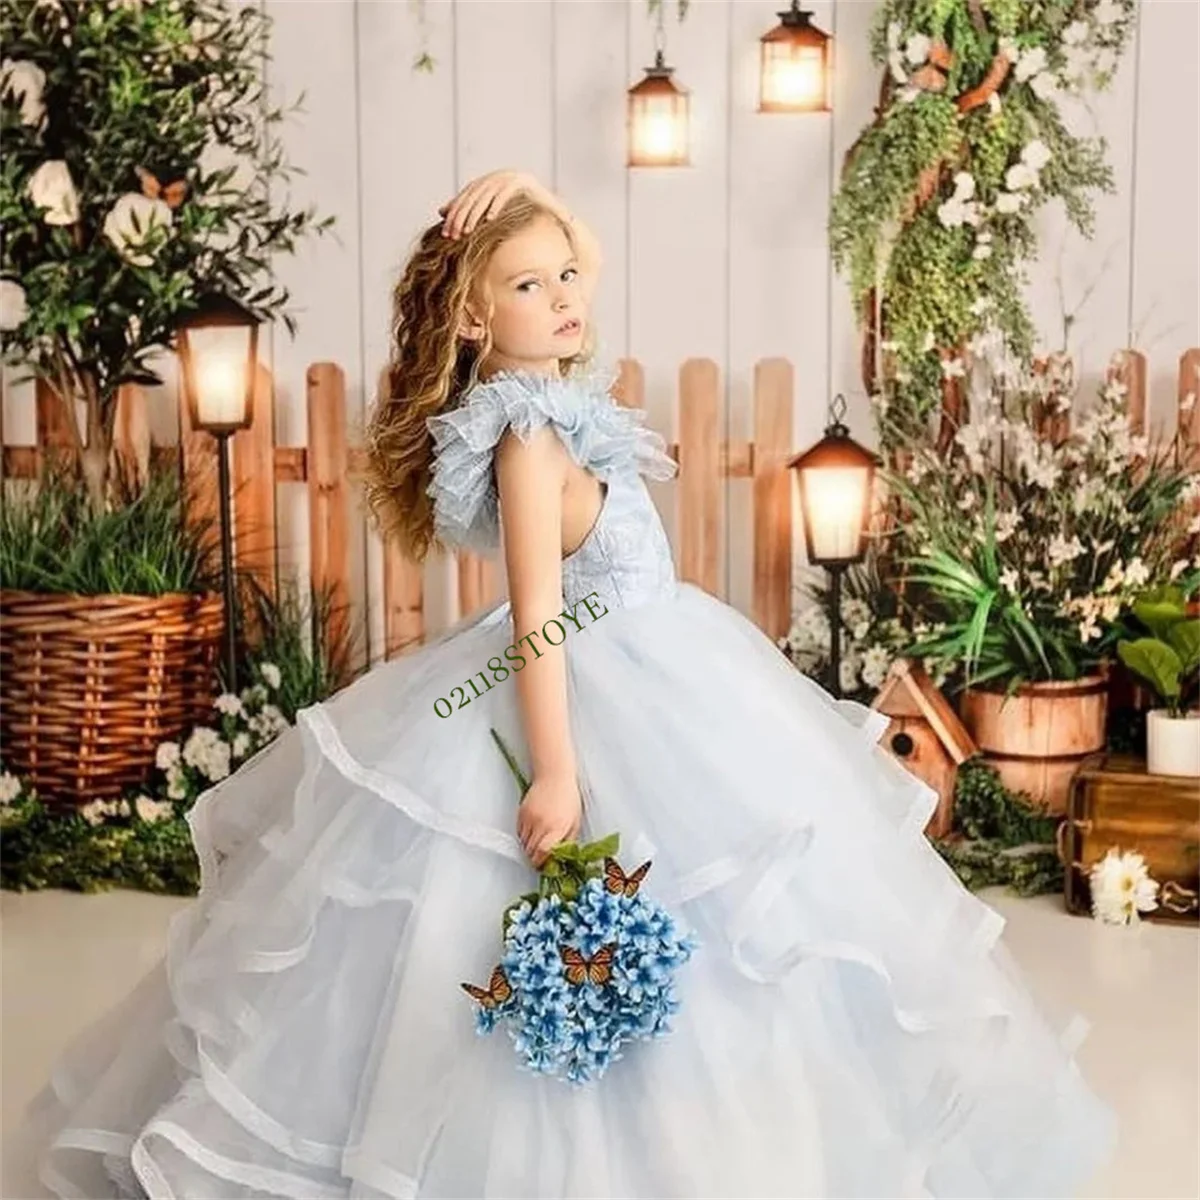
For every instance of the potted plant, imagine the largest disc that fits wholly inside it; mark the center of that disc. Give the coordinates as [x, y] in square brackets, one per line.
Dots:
[110, 626]
[137, 179]
[1024, 542]
[1167, 658]
[113, 227]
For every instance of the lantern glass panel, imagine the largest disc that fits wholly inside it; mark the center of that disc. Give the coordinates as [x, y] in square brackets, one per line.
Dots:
[835, 500]
[793, 76]
[658, 129]
[219, 358]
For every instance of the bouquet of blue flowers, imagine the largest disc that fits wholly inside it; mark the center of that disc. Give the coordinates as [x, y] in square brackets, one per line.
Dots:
[589, 962]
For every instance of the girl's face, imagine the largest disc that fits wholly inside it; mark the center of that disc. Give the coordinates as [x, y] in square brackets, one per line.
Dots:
[539, 312]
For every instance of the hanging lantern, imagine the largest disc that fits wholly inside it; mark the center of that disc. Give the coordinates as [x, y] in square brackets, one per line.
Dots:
[218, 349]
[795, 74]
[658, 119]
[836, 479]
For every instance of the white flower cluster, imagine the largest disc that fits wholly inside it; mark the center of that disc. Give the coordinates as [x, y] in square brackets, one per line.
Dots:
[134, 219]
[1087, 56]
[10, 788]
[208, 755]
[867, 653]
[905, 53]
[1122, 888]
[1021, 178]
[961, 208]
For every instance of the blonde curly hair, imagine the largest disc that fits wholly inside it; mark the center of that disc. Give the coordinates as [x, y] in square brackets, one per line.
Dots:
[430, 367]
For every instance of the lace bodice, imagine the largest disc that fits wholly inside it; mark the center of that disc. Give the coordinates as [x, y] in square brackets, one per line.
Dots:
[626, 556]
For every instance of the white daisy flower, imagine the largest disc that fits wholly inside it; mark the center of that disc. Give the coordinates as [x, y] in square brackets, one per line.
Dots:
[1122, 888]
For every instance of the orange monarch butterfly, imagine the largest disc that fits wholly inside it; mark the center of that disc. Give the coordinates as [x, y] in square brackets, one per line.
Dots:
[616, 881]
[499, 990]
[172, 193]
[597, 969]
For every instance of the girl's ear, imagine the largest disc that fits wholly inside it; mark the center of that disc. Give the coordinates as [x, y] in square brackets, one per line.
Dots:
[470, 329]
[471, 326]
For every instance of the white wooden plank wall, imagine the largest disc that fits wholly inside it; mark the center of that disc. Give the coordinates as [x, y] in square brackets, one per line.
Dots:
[726, 259]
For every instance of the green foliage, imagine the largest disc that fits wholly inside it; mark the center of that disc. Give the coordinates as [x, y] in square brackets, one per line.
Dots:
[938, 279]
[43, 849]
[299, 636]
[113, 228]
[999, 838]
[1168, 658]
[1022, 552]
[52, 541]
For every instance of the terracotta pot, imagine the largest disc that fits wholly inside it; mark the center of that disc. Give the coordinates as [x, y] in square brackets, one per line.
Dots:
[1037, 737]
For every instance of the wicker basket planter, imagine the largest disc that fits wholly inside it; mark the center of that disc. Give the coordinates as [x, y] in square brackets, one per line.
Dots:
[92, 684]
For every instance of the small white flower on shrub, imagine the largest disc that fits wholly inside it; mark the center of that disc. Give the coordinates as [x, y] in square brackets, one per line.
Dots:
[130, 222]
[247, 723]
[153, 810]
[51, 187]
[10, 788]
[228, 704]
[13, 305]
[166, 756]
[24, 82]
[96, 812]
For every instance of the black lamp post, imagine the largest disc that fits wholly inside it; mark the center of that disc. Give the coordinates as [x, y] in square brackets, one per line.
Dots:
[836, 479]
[218, 349]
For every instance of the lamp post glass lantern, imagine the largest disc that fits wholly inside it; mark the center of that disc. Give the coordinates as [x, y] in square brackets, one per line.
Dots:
[837, 477]
[794, 73]
[218, 351]
[658, 119]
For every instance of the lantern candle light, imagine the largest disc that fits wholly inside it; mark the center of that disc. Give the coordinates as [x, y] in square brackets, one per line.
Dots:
[795, 75]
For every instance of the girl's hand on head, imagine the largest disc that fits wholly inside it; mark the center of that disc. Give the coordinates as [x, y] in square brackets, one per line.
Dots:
[550, 813]
[482, 199]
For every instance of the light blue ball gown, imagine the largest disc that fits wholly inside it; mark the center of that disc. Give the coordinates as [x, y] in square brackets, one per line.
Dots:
[850, 1025]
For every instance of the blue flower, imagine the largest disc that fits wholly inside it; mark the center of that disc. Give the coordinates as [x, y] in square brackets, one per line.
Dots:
[576, 1033]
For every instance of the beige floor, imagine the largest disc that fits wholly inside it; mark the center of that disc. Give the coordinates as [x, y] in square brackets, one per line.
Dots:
[67, 957]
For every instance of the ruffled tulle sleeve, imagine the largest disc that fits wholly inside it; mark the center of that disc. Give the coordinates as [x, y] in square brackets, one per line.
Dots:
[600, 435]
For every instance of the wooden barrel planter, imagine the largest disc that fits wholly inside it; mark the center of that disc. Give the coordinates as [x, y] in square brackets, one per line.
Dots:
[92, 684]
[1037, 738]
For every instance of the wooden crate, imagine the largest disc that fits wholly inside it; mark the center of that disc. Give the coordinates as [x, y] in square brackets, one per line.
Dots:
[1114, 801]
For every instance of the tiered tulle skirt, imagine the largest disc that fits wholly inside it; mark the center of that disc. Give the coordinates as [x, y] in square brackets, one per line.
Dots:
[850, 1026]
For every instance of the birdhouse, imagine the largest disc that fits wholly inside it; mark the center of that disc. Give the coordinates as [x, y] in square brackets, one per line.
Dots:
[925, 736]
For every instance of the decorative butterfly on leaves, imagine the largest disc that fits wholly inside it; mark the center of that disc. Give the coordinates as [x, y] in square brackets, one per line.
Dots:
[597, 969]
[172, 194]
[498, 991]
[617, 882]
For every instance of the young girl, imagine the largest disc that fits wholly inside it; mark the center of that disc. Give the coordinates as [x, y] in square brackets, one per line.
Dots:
[850, 1024]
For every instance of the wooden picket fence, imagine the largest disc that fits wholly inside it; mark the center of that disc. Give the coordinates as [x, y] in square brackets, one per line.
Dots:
[259, 465]
[705, 460]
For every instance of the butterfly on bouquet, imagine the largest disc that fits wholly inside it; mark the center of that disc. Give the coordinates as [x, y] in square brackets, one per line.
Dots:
[618, 883]
[497, 992]
[597, 969]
